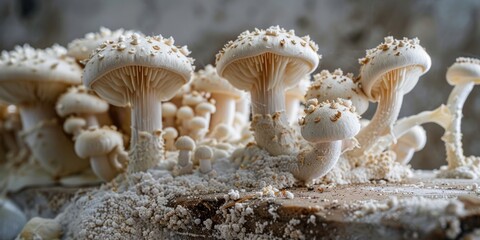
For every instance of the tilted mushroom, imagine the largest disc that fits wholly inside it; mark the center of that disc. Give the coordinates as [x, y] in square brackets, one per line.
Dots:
[266, 63]
[326, 125]
[464, 74]
[41, 228]
[74, 125]
[412, 141]
[33, 79]
[225, 95]
[388, 72]
[294, 96]
[185, 146]
[204, 154]
[104, 148]
[140, 72]
[332, 85]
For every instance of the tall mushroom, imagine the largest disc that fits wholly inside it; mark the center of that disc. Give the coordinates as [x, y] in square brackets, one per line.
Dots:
[388, 72]
[224, 94]
[463, 74]
[266, 63]
[140, 72]
[33, 79]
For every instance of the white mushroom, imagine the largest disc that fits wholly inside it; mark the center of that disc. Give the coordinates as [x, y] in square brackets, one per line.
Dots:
[204, 154]
[197, 128]
[326, 125]
[185, 146]
[463, 74]
[184, 115]
[221, 132]
[104, 148]
[266, 63]
[140, 72]
[169, 111]
[388, 72]
[412, 141]
[74, 125]
[33, 79]
[205, 110]
[169, 135]
[294, 96]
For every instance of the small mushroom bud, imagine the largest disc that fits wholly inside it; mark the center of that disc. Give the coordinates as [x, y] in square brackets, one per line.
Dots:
[185, 146]
[184, 115]
[169, 135]
[198, 128]
[204, 154]
[74, 125]
[221, 132]
[169, 111]
[205, 110]
[412, 141]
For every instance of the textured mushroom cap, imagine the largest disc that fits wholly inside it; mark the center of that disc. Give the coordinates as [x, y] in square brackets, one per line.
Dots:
[30, 75]
[74, 123]
[169, 109]
[203, 152]
[97, 142]
[110, 69]
[298, 91]
[464, 70]
[185, 143]
[185, 112]
[207, 80]
[79, 100]
[81, 48]
[390, 55]
[197, 123]
[302, 52]
[329, 121]
[170, 133]
[330, 86]
[205, 107]
[415, 138]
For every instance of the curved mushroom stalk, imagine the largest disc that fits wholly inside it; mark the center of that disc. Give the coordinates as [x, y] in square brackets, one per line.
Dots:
[316, 162]
[273, 135]
[106, 167]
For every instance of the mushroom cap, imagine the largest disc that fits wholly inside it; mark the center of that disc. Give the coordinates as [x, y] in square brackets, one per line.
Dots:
[170, 133]
[416, 138]
[97, 142]
[169, 109]
[136, 63]
[74, 123]
[81, 48]
[222, 131]
[203, 152]
[329, 121]
[330, 86]
[464, 70]
[197, 123]
[192, 99]
[207, 80]
[185, 112]
[390, 55]
[301, 52]
[298, 91]
[79, 100]
[205, 107]
[29, 75]
[185, 143]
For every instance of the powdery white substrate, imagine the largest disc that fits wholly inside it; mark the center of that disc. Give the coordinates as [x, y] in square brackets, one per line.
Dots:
[470, 171]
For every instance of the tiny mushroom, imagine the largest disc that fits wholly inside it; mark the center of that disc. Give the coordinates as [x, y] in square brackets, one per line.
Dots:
[266, 63]
[74, 125]
[169, 135]
[205, 110]
[387, 73]
[412, 141]
[327, 126]
[294, 96]
[463, 74]
[33, 79]
[169, 111]
[140, 72]
[224, 94]
[204, 154]
[104, 148]
[221, 132]
[185, 146]
[184, 115]
[198, 128]
[330, 86]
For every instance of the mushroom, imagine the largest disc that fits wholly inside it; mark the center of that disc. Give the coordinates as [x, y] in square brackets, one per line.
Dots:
[198, 128]
[205, 110]
[412, 141]
[294, 96]
[104, 148]
[33, 79]
[185, 146]
[169, 110]
[169, 135]
[74, 125]
[332, 85]
[224, 94]
[266, 63]
[184, 115]
[12, 219]
[221, 132]
[41, 228]
[388, 72]
[327, 126]
[140, 72]
[463, 74]
[82, 103]
[204, 154]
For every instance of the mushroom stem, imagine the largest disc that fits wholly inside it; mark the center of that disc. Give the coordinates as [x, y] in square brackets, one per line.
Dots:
[453, 133]
[292, 105]
[243, 107]
[317, 161]
[91, 120]
[389, 103]
[184, 157]
[403, 152]
[268, 100]
[102, 167]
[48, 143]
[146, 112]
[225, 110]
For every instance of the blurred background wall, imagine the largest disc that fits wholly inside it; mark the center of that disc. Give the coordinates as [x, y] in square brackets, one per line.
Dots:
[343, 30]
